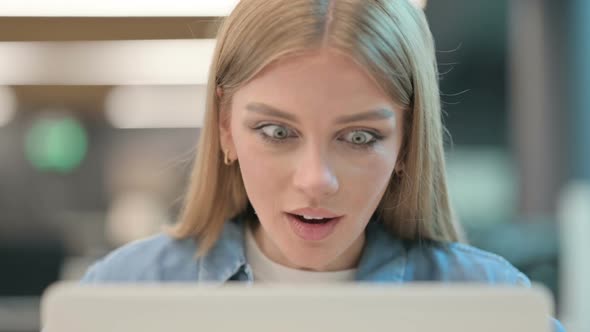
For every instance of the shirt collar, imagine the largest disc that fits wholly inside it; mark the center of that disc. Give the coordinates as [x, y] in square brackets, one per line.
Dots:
[384, 256]
[227, 257]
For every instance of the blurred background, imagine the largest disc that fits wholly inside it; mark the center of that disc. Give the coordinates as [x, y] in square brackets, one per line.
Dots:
[100, 109]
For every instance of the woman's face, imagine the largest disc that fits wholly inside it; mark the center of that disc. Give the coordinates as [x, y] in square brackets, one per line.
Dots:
[313, 131]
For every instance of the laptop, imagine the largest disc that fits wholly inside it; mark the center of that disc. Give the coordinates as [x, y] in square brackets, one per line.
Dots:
[413, 307]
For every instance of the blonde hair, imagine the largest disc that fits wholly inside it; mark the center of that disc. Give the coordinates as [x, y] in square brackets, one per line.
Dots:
[392, 41]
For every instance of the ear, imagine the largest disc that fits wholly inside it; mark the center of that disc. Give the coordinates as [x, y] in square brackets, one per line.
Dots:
[225, 136]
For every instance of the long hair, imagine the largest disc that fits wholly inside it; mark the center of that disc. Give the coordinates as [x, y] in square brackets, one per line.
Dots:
[391, 39]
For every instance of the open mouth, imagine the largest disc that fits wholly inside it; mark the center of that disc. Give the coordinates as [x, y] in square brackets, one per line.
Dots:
[312, 229]
[312, 221]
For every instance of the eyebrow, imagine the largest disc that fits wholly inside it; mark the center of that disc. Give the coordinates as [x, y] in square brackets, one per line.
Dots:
[372, 115]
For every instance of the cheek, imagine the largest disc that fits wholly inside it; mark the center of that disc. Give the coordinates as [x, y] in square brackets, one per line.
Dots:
[365, 176]
[262, 172]
[365, 183]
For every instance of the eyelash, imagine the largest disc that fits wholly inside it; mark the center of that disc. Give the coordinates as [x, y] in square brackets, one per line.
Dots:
[365, 146]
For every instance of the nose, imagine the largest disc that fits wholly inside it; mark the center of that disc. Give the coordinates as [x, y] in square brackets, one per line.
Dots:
[313, 174]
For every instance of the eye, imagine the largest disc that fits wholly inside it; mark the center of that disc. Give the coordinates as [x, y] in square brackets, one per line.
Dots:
[273, 132]
[361, 138]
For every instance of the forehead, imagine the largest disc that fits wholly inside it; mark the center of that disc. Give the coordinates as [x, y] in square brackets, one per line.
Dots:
[325, 79]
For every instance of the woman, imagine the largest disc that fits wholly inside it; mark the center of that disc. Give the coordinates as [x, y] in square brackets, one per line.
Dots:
[321, 157]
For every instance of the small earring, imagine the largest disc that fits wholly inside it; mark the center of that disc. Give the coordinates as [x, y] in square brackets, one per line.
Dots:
[226, 159]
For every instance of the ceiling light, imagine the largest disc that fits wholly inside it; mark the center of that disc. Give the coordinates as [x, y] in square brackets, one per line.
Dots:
[130, 107]
[121, 62]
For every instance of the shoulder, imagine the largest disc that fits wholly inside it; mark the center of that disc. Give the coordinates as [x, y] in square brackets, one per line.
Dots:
[459, 262]
[156, 258]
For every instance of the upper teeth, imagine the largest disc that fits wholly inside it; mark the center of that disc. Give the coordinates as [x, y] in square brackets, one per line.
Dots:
[308, 217]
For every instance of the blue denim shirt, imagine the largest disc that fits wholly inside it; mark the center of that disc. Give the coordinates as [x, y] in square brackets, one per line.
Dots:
[384, 259]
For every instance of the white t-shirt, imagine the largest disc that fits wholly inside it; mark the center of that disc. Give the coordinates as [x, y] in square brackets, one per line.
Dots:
[266, 270]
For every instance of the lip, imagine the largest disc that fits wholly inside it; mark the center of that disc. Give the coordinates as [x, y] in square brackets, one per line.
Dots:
[312, 232]
[315, 213]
